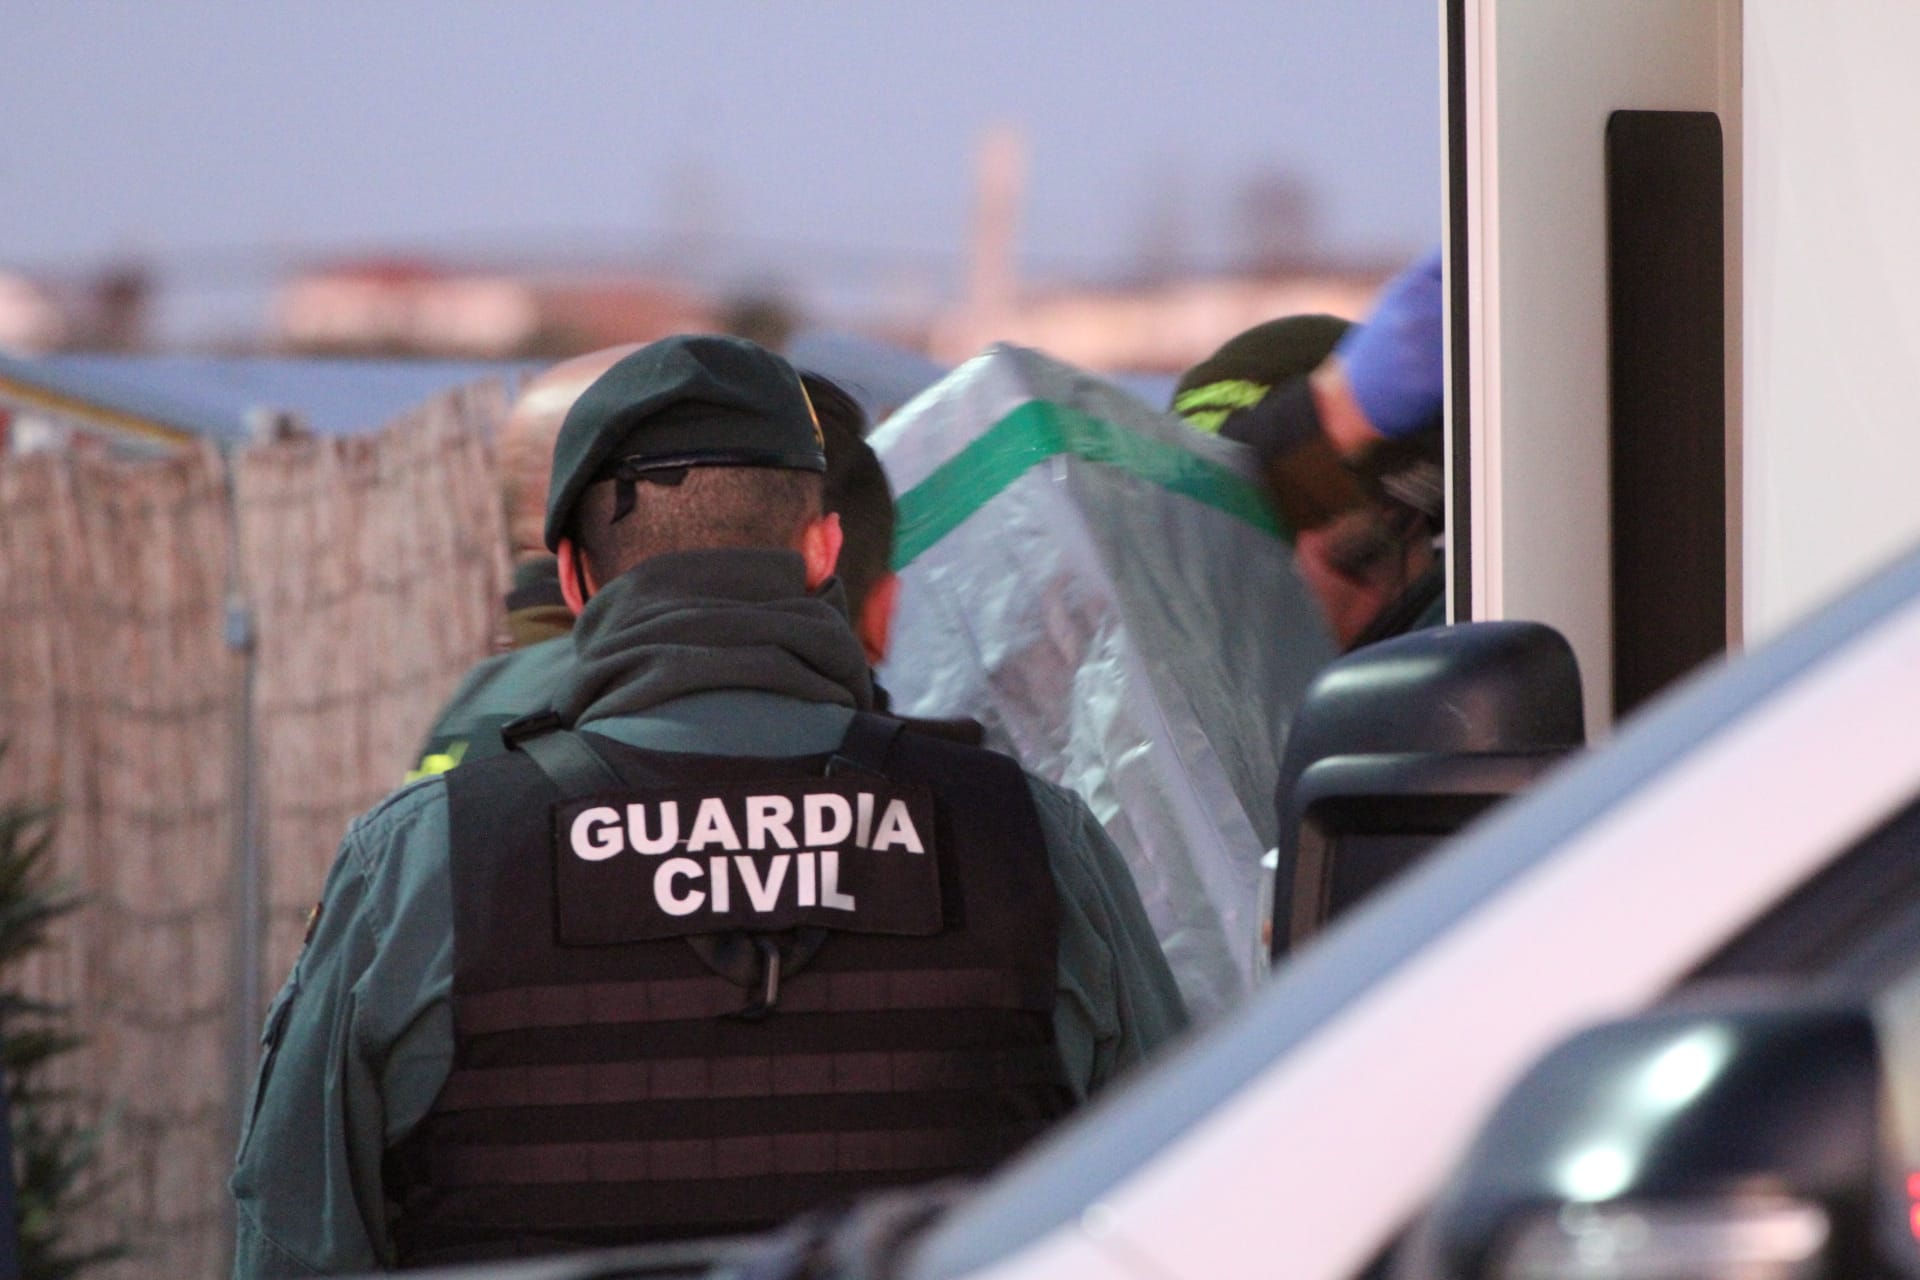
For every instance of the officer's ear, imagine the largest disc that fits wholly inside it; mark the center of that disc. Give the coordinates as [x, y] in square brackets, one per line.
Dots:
[875, 623]
[576, 576]
[820, 547]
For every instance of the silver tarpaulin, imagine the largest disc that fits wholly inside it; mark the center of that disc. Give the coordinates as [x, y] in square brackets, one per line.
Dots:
[1102, 586]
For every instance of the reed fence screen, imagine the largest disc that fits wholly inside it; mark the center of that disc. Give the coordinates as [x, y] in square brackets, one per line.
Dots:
[210, 663]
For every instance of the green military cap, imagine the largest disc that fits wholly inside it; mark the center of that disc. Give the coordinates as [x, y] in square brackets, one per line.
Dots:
[693, 400]
[1247, 366]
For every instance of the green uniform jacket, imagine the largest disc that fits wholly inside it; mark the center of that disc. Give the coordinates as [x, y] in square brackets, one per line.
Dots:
[360, 1040]
[500, 689]
[507, 685]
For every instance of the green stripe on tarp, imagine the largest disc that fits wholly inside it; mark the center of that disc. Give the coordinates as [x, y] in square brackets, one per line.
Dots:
[1040, 429]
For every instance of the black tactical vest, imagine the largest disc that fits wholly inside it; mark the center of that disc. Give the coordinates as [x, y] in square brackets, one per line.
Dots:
[635, 1060]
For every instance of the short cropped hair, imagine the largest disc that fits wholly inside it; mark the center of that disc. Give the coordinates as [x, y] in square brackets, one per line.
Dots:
[713, 508]
[856, 491]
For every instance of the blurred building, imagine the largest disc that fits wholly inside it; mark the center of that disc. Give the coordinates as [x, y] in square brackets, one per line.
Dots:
[407, 306]
[107, 310]
[152, 405]
[30, 318]
[1161, 327]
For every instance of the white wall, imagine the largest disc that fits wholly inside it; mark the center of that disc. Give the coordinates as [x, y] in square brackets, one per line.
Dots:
[1543, 76]
[1832, 309]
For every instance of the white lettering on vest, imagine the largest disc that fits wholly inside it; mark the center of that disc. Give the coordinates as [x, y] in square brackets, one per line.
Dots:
[896, 827]
[807, 890]
[711, 825]
[669, 828]
[818, 809]
[722, 886]
[830, 895]
[765, 895]
[863, 837]
[596, 834]
[672, 903]
[769, 816]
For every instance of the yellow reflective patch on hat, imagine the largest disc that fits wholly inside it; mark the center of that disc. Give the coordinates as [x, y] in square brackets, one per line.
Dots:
[819, 436]
[1226, 395]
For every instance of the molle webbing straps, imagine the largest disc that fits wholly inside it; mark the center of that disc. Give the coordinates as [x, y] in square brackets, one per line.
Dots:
[905, 1152]
[607, 1094]
[679, 1080]
[675, 999]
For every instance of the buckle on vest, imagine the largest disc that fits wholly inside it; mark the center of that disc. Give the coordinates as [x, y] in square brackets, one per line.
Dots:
[531, 725]
[763, 1004]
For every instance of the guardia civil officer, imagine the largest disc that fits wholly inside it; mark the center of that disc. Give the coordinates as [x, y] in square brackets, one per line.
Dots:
[733, 947]
[526, 678]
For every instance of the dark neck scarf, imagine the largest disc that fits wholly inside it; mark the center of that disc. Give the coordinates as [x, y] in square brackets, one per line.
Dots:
[696, 621]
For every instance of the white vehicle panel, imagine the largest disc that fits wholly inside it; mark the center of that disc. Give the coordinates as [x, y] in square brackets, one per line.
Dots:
[1330, 1153]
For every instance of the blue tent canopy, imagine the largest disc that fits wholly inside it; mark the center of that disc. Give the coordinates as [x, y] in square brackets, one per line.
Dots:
[220, 398]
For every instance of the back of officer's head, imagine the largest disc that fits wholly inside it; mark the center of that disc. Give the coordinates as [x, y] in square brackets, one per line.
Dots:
[696, 442]
[856, 490]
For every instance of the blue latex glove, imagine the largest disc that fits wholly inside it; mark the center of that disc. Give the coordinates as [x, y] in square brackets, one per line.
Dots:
[1394, 362]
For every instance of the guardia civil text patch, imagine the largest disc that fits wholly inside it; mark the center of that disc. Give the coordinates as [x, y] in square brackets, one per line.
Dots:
[854, 854]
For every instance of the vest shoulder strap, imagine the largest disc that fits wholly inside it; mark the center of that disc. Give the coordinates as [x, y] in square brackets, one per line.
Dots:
[569, 763]
[868, 742]
[577, 769]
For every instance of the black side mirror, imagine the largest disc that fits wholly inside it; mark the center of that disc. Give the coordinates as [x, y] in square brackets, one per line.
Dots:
[1398, 745]
[1730, 1143]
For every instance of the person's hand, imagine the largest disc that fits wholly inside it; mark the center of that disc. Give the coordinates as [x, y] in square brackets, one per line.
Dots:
[1394, 363]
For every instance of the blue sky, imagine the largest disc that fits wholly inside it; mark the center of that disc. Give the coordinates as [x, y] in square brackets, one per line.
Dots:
[799, 136]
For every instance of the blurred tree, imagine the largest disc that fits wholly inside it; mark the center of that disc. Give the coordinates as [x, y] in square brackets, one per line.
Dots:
[52, 1153]
[122, 295]
[1278, 222]
[760, 315]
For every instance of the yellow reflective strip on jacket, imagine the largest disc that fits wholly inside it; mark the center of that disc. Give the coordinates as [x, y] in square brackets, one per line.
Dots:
[437, 761]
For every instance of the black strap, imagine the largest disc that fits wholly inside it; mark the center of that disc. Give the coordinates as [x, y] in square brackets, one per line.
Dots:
[642, 1001]
[865, 748]
[966, 732]
[673, 1080]
[569, 763]
[966, 1144]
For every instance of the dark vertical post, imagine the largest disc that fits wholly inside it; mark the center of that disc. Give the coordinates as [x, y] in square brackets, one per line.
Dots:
[1459, 507]
[1666, 321]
